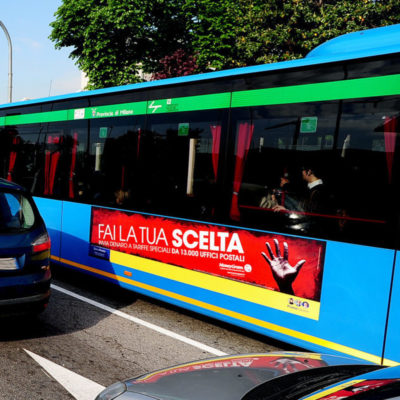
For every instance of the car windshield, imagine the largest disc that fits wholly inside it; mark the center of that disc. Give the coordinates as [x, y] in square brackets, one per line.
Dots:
[297, 385]
[16, 212]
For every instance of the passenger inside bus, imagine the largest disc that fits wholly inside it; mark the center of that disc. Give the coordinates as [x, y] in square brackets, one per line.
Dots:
[316, 199]
[281, 197]
[122, 197]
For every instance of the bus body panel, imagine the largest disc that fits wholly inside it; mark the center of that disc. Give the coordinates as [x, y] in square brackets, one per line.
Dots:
[51, 212]
[351, 318]
[207, 155]
[349, 307]
[76, 231]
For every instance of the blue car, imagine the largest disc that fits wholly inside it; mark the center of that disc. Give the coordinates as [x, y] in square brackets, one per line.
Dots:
[24, 253]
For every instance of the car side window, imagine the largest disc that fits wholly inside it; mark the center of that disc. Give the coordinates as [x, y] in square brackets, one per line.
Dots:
[15, 212]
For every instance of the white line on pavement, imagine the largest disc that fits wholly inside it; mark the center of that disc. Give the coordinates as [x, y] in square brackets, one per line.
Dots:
[138, 321]
[80, 387]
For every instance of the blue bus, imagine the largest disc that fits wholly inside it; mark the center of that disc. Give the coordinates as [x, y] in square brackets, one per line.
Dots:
[262, 196]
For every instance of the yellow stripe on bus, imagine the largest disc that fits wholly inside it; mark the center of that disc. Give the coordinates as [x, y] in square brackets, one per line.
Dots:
[239, 290]
[241, 317]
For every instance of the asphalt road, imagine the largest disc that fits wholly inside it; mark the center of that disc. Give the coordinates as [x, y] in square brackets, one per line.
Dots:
[106, 335]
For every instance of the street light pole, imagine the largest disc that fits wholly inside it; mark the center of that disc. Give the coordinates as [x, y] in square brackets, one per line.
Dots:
[9, 62]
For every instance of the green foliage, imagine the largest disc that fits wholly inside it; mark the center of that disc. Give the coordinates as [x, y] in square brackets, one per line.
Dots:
[273, 31]
[112, 40]
[213, 28]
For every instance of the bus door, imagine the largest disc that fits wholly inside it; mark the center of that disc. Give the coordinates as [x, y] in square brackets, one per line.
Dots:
[343, 247]
[102, 171]
[392, 339]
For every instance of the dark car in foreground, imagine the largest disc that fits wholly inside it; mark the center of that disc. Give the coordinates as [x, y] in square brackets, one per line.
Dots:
[24, 253]
[280, 375]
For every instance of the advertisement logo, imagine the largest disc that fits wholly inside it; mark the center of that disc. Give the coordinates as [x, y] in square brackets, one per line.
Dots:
[79, 113]
[299, 303]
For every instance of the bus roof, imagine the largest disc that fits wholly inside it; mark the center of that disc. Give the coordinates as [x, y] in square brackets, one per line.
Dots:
[361, 44]
[366, 43]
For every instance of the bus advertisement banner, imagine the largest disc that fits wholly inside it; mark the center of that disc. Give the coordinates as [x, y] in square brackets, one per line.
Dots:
[279, 263]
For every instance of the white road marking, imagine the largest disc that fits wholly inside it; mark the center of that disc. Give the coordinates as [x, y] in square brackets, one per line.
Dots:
[80, 387]
[149, 325]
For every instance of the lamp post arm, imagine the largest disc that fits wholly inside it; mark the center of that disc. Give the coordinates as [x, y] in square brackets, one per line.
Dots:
[9, 62]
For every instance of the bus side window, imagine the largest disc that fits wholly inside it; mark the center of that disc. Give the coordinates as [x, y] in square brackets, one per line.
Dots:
[114, 149]
[351, 149]
[180, 164]
[23, 161]
[367, 167]
[273, 145]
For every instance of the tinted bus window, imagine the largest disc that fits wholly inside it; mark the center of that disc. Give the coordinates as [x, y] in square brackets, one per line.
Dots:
[291, 77]
[366, 169]
[180, 163]
[6, 141]
[77, 169]
[274, 146]
[22, 149]
[60, 164]
[65, 160]
[377, 66]
[349, 148]
[114, 148]
[47, 159]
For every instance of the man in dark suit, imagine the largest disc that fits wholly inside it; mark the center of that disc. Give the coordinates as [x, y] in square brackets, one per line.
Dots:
[316, 200]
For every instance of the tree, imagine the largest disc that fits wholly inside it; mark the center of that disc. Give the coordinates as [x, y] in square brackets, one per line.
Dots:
[271, 31]
[178, 64]
[213, 27]
[113, 39]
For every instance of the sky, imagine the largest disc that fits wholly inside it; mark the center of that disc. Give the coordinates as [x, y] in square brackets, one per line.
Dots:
[39, 70]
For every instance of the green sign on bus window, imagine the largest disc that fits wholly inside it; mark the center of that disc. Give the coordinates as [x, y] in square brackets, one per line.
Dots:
[183, 129]
[308, 125]
[103, 133]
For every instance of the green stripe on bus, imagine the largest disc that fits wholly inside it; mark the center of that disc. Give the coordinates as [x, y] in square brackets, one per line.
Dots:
[191, 103]
[388, 85]
[349, 89]
[109, 111]
[50, 116]
[115, 110]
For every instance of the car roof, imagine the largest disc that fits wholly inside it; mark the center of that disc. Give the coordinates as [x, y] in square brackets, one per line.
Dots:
[4, 184]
